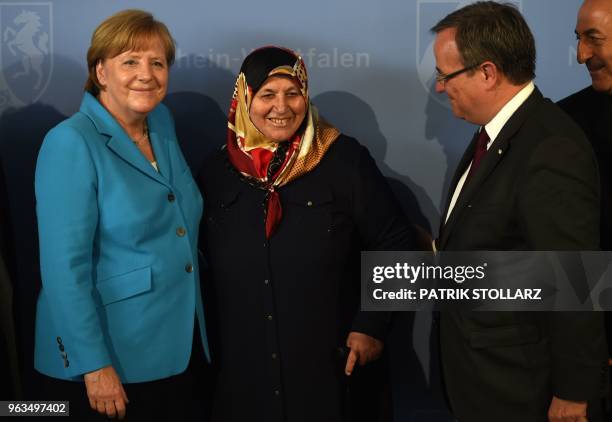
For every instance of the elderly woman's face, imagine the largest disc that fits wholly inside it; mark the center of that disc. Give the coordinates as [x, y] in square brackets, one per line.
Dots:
[134, 81]
[278, 108]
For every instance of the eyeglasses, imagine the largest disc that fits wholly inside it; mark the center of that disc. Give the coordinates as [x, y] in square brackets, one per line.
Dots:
[442, 78]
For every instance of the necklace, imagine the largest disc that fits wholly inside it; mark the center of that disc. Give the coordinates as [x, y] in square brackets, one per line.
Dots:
[144, 136]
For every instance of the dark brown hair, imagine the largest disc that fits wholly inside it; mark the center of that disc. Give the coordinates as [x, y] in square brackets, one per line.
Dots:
[490, 31]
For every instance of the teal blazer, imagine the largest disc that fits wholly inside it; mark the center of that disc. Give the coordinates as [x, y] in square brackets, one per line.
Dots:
[118, 251]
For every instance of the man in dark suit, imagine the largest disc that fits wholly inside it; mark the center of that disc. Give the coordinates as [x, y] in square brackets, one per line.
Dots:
[591, 107]
[528, 181]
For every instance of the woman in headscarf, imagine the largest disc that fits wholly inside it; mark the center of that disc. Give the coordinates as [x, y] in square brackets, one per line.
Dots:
[291, 202]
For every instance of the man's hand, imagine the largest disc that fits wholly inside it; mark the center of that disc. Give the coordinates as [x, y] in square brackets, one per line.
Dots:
[363, 349]
[105, 392]
[567, 411]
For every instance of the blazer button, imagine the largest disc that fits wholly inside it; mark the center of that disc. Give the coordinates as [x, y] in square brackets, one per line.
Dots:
[180, 232]
[189, 268]
[171, 197]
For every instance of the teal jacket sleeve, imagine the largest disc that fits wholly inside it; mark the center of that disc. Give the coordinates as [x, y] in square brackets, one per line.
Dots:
[67, 210]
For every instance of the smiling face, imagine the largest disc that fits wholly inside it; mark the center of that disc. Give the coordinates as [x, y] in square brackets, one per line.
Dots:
[278, 108]
[134, 82]
[593, 31]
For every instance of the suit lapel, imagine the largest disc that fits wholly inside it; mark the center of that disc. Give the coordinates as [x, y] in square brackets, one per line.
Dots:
[125, 148]
[496, 153]
[120, 143]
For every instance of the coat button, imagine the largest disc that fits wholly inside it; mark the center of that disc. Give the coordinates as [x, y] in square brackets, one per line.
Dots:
[266, 281]
[277, 392]
[171, 197]
[180, 232]
[269, 317]
[189, 268]
[309, 203]
[274, 356]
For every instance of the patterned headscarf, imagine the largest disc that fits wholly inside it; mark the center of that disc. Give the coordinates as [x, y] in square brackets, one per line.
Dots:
[262, 162]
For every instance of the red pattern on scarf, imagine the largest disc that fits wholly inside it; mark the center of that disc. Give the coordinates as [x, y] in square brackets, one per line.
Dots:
[261, 160]
[274, 213]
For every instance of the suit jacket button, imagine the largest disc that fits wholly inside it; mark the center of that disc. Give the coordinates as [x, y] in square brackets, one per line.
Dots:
[180, 232]
[171, 197]
[189, 268]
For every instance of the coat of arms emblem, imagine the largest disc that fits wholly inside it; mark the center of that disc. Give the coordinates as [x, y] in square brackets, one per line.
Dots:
[26, 52]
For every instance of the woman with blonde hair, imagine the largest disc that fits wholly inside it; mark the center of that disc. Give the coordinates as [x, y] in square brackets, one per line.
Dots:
[118, 213]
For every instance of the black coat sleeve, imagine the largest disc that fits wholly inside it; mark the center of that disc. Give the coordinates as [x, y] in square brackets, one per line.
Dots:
[560, 209]
[381, 225]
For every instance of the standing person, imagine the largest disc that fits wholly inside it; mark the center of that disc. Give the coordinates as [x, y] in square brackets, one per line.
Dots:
[291, 203]
[528, 181]
[118, 216]
[591, 108]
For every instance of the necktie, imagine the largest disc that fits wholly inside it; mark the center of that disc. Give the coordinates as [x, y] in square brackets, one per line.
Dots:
[480, 151]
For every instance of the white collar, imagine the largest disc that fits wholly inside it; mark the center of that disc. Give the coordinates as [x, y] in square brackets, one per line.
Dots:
[501, 118]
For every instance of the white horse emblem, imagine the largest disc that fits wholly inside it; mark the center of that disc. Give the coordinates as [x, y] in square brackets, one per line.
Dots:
[30, 42]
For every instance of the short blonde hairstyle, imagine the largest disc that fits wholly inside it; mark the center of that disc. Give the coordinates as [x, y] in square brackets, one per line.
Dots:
[127, 30]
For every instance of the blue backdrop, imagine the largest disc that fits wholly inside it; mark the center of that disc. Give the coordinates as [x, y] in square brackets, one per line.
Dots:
[371, 72]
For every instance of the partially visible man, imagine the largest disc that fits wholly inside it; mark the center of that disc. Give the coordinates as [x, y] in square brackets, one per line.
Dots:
[591, 107]
[528, 181]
